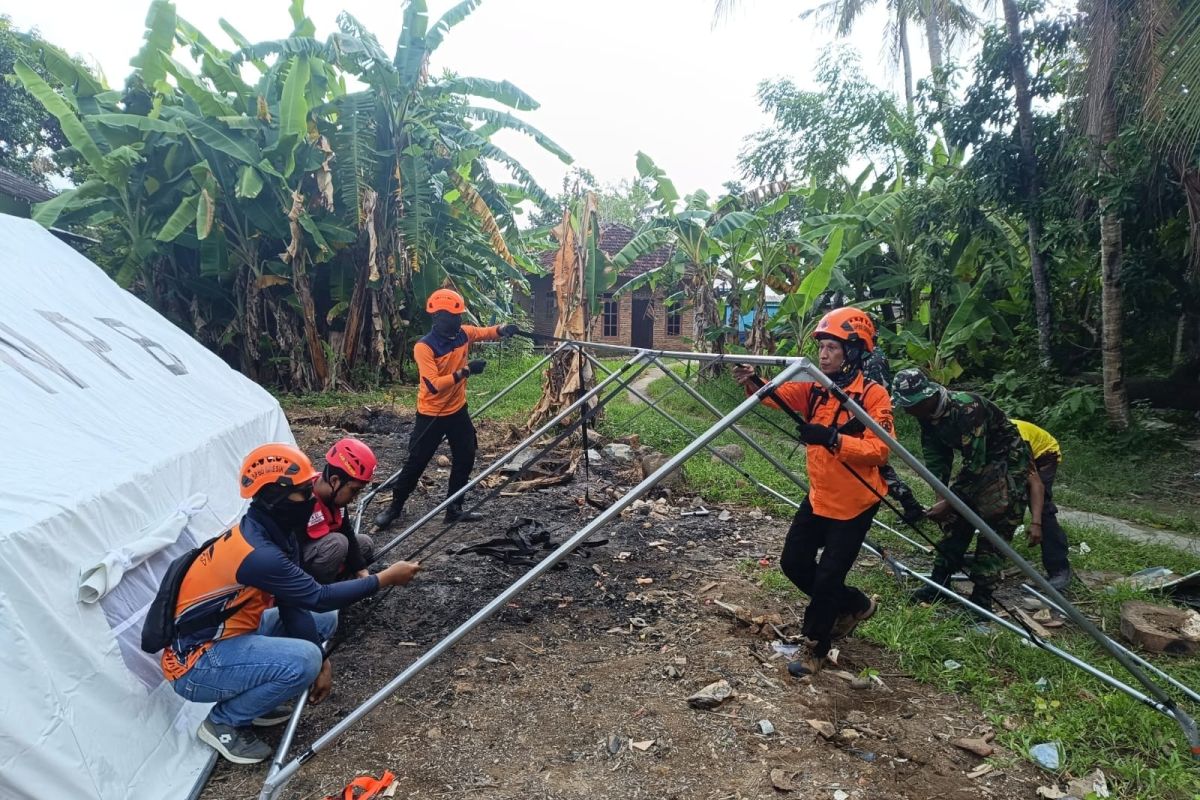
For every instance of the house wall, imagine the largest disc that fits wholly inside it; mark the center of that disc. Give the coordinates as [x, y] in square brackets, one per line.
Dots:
[542, 309]
[662, 340]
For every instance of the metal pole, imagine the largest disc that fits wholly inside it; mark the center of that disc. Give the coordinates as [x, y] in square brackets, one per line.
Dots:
[275, 783]
[637, 363]
[289, 735]
[1185, 721]
[619, 349]
[1189, 691]
[369, 496]
[721, 456]
[1167, 709]
[775, 462]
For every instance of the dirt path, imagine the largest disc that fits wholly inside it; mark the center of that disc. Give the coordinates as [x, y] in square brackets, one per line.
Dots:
[578, 688]
[642, 385]
[1131, 531]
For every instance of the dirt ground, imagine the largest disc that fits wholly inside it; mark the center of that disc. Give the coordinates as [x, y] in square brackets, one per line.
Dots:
[578, 688]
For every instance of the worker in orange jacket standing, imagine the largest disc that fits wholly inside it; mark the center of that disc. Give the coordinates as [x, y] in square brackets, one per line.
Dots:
[839, 507]
[441, 358]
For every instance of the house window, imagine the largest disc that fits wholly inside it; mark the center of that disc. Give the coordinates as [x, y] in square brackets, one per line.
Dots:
[609, 326]
[551, 304]
[674, 322]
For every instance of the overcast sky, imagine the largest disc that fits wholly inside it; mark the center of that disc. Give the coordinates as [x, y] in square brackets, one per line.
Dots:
[612, 77]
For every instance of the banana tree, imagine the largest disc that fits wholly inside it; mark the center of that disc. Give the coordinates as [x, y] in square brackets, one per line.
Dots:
[699, 234]
[283, 219]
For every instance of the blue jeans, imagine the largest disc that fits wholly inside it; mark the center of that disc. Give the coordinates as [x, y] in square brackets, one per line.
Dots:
[247, 676]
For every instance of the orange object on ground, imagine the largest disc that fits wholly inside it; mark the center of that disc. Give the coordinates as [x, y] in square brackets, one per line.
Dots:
[368, 786]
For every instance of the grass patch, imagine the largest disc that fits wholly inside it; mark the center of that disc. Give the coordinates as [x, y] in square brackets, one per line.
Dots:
[1142, 752]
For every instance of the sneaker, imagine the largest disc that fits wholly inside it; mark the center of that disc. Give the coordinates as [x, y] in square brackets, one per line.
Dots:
[807, 665]
[847, 623]
[238, 745]
[385, 518]
[278, 714]
[1061, 579]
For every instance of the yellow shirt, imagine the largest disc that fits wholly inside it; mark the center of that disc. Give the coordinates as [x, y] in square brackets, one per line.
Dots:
[1040, 441]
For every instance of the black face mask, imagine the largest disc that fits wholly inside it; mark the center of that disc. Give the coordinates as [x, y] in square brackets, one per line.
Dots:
[447, 325]
[293, 515]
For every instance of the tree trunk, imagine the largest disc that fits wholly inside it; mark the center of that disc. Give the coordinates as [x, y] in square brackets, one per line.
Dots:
[1187, 346]
[906, 61]
[1030, 185]
[308, 313]
[698, 289]
[1116, 401]
[933, 35]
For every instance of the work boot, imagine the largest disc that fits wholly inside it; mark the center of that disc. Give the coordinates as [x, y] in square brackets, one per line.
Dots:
[928, 594]
[981, 598]
[807, 665]
[278, 714]
[1061, 580]
[385, 518]
[455, 513]
[238, 745]
[845, 625]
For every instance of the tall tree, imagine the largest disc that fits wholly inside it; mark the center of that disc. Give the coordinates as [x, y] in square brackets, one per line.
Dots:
[1030, 184]
[29, 134]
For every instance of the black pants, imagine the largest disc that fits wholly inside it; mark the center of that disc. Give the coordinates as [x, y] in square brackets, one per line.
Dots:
[1054, 538]
[427, 434]
[824, 579]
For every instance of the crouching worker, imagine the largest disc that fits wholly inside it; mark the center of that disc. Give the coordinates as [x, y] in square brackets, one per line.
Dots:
[839, 507]
[995, 478]
[332, 549]
[248, 621]
[441, 358]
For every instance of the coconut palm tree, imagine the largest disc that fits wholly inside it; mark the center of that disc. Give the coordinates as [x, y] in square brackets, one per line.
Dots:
[942, 20]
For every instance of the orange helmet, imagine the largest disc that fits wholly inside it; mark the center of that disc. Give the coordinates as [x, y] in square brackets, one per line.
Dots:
[274, 464]
[445, 300]
[847, 325]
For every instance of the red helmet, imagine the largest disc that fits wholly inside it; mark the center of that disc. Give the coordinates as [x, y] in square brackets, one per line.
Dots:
[276, 464]
[848, 325]
[445, 300]
[353, 458]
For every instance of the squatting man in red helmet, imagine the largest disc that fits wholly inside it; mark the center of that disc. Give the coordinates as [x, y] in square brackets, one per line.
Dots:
[441, 358]
[332, 549]
[249, 622]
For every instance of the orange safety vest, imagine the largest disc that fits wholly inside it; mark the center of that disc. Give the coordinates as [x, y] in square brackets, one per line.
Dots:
[833, 491]
[439, 392]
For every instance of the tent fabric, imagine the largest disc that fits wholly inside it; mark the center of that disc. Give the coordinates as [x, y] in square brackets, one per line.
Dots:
[118, 426]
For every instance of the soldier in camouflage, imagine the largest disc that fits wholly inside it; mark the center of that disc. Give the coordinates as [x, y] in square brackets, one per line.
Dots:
[876, 368]
[994, 476]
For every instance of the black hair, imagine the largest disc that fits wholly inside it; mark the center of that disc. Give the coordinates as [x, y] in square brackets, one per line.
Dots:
[330, 471]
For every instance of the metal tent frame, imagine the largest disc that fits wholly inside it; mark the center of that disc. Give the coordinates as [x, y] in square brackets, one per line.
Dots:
[283, 769]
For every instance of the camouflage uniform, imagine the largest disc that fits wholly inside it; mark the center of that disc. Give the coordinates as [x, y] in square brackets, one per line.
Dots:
[991, 479]
[876, 368]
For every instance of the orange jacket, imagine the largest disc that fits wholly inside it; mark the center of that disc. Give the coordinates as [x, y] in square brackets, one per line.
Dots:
[834, 492]
[439, 392]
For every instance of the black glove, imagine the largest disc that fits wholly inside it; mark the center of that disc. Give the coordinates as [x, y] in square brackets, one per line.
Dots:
[811, 433]
[509, 330]
[476, 366]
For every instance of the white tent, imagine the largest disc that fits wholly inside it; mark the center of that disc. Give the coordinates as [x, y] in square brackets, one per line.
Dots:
[120, 442]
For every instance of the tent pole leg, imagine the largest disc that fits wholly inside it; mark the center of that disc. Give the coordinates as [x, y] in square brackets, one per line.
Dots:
[369, 496]
[1189, 691]
[276, 782]
[637, 363]
[1186, 723]
[762, 487]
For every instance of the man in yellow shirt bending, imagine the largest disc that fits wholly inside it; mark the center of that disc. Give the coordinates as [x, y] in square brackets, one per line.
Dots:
[1047, 455]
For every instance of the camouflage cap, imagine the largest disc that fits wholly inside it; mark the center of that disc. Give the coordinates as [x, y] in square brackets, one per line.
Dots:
[911, 386]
